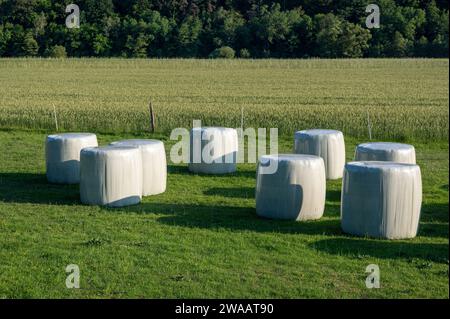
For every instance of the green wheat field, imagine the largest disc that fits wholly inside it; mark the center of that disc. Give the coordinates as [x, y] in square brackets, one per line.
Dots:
[202, 238]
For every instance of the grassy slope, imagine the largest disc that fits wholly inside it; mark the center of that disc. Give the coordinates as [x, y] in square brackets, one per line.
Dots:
[202, 238]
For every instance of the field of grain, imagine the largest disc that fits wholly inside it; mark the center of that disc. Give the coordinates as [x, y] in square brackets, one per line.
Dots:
[405, 99]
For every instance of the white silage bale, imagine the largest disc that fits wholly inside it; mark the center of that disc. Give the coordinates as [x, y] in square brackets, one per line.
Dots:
[154, 164]
[62, 156]
[111, 175]
[385, 151]
[328, 144]
[213, 150]
[381, 199]
[296, 190]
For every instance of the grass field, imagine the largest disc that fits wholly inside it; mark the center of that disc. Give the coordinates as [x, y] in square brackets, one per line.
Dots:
[201, 238]
[407, 99]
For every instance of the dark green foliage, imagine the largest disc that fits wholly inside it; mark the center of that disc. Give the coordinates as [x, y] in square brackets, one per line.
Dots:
[336, 37]
[58, 51]
[244, 54]
[28, 46]
[195, 28]
[222, 52]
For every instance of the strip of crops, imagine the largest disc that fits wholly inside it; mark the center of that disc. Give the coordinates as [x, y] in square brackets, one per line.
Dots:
[403, 99]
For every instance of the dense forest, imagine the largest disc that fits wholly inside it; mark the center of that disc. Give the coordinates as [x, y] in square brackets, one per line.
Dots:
[224, 28]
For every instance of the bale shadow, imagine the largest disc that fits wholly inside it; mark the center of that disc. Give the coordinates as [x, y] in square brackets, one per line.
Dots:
[334, 196]
[183, 170]
[383, 249]
[231, 218]
[433, 230]
[435, 212]
[34, 188]
[245, 218]
[178, 169]
[236, 192]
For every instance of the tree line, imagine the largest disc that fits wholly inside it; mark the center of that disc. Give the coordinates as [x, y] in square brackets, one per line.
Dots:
[224, 28]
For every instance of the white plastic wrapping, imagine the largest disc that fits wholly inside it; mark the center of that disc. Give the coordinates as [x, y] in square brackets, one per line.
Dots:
[328, 144]
[383, 151]
[295, 191]
[213, 150]
[111, 175]
[154, 164]
[381, 199]
[62, 156]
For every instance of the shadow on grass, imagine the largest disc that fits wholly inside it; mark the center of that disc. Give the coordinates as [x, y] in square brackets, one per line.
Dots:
[236, 192]
[385, 249]
[34, 188]
[183, 170]
[436, 212]
[433, 230]
[178, 169]
[334, 196]
[231, 218]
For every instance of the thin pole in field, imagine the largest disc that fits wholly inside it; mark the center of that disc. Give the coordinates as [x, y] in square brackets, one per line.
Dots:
[242, 118]
[152, 117]
[54, 115]
[369, 126]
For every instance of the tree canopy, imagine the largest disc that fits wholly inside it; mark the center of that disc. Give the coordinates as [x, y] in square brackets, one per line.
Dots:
[213, 28]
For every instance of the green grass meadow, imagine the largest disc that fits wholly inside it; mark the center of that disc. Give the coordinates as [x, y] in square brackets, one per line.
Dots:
[202, 238]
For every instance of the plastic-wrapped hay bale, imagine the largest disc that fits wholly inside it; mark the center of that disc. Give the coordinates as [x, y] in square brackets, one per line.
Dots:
[296, 190]
[62, 156]
[111, 175]
[381, 199]
[154, 164]
[384, 151]
[213, 150]
[328, 144]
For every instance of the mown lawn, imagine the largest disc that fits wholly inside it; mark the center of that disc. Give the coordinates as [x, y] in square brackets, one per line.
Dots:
[202, 238]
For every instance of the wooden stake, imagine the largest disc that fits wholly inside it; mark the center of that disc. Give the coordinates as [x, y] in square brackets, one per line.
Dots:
[369, 126]
[56, 119]
[152, 117]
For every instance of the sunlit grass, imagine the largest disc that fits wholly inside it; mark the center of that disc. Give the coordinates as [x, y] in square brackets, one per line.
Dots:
[405, 99]
[202, 238]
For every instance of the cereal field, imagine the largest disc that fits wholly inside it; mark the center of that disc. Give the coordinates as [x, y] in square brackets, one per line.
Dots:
[402, 99]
